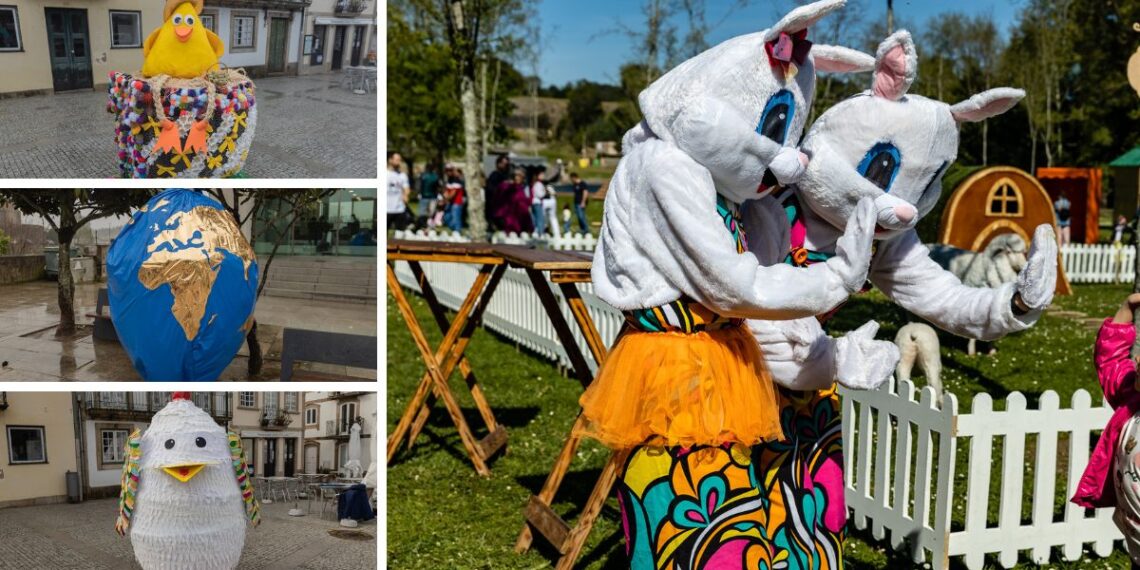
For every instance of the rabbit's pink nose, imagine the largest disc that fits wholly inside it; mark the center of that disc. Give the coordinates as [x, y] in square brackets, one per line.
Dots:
[905, 213]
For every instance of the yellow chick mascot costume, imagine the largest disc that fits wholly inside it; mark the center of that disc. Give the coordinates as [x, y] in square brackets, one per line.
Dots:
[184, 114]
[182, 47]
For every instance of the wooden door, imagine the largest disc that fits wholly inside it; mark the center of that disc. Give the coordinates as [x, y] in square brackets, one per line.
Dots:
[270, 469]
[290, 457]
[278, 40]
[357, 44]
[69, 48]
[338, 47]
[311, 458]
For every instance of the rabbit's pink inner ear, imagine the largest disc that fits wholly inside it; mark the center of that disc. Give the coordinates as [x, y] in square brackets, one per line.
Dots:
[890, 74]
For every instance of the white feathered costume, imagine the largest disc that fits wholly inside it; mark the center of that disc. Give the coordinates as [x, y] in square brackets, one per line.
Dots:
[892, 147]
[186, 495]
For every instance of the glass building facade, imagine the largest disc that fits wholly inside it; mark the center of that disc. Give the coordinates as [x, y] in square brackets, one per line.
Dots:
[345, 223]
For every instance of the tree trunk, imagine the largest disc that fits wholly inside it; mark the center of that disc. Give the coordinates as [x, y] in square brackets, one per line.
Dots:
[255, 358]
[985, 142]
[1136, 289]
[66, 286]
[473, 158]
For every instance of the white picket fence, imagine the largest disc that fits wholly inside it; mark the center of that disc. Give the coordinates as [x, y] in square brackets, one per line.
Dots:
[577, 242]
[901, 452]
[1095, 263]
[1098, 263]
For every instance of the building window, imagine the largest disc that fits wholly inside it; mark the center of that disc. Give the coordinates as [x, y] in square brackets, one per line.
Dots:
[113, 443]
[247, 399]
[1004, 199]
[10, 29]
[270, 406]
[126, 29]
[209, 21]
[26, 444]
[347, 416]
[312, 416]
[243, 34]
[291, 402]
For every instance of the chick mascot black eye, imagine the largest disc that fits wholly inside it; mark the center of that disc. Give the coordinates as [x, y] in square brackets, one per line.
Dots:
[200, 442]
[170, 444]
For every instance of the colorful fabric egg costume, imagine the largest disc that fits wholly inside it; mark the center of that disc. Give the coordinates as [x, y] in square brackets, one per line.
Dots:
[182, 127]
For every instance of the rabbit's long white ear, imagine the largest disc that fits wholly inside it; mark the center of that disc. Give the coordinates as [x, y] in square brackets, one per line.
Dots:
[896, 65]
[986, 104]
[839, 59]
[803, 17]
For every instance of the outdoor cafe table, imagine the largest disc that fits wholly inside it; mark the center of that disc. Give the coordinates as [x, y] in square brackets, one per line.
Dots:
[566, 269]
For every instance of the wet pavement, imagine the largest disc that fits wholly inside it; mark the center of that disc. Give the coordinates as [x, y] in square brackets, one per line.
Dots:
[30, 351]
[82, 535]
[307, 127]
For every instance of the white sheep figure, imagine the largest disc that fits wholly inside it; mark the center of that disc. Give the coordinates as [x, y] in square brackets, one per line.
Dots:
[918, 343]
[186, 496]
[993, 267]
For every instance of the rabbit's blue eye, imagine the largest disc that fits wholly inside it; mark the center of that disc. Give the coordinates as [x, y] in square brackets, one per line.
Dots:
[777, 116]
[880, 165]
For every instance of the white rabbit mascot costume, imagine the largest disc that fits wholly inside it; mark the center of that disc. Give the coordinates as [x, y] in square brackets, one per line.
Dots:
[893, 148]
[186, 496]
[685, 392]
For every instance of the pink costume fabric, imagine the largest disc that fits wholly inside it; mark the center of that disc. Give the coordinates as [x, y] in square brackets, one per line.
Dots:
[1117, 374]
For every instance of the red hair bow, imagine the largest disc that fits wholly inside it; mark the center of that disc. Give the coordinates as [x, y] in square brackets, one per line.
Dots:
[786, 49]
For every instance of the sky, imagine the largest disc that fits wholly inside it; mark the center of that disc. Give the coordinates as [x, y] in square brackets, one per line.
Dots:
[574, 47]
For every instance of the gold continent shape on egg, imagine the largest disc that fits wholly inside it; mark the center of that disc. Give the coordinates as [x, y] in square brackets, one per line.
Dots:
[189, 263]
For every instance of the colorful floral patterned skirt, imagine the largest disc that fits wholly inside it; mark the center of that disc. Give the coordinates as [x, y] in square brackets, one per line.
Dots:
[767, 506]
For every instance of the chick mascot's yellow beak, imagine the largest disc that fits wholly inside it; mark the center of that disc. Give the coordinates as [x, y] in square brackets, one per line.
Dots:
[182, 47]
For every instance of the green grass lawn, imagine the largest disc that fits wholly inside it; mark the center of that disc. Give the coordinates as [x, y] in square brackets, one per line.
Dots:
[442, 515]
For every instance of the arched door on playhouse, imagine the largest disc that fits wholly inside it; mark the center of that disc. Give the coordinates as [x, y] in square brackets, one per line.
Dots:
[995, 201]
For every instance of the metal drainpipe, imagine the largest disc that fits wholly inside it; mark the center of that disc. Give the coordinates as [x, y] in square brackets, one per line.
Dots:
[80, 444]
[301, 44]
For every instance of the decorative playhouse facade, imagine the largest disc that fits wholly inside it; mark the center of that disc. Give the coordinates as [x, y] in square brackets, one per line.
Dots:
[994, 201]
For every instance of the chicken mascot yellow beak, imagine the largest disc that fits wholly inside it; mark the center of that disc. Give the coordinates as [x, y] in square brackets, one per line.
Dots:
[184, 472]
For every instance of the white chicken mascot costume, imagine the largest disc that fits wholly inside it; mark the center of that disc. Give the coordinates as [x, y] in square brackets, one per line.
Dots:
[186, 493]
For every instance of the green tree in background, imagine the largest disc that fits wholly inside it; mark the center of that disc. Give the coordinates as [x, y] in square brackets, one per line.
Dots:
[66, 211]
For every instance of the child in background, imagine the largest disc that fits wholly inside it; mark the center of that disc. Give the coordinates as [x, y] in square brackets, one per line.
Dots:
[566, 219]
[1112, 477]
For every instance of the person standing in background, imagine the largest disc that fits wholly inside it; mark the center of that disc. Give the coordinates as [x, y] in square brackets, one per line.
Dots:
[453, 199]
[493, 200]
[581, 194]
[1062, 207]
[537, 191]
[429, 193]
[549, 204]
[399, 190]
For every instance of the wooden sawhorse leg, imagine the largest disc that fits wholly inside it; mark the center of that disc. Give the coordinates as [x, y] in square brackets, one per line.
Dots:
[443, 361]
[539, 516]
[497, 435]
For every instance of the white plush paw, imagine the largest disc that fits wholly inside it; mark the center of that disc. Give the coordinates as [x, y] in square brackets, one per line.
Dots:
[863, 363]
[853, 249]
[1038, 279]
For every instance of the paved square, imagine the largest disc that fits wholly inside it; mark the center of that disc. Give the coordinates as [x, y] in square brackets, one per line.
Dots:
[29, 351]
[307, 127]
[82, 536]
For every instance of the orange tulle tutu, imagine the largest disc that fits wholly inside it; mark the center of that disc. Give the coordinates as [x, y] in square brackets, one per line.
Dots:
[683, 389]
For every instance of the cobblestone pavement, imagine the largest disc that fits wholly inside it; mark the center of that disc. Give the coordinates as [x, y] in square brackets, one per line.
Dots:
[29, 351]
[307, 127]
[82, 536]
